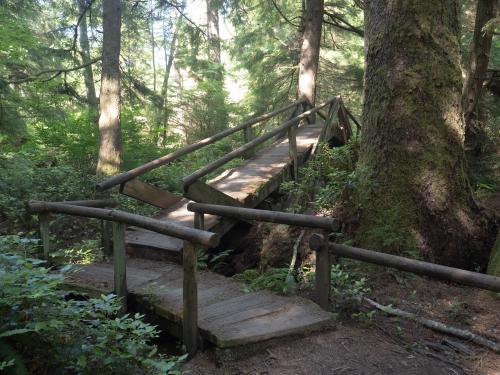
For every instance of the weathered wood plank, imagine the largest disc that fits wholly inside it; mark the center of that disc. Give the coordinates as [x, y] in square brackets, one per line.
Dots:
[120, 265]
[227, 315]
[201, 192]
[190, 299]
[149, 194]
[44, 222]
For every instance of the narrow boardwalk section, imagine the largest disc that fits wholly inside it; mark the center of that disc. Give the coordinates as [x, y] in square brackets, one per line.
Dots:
[249, 184]
[228, 316]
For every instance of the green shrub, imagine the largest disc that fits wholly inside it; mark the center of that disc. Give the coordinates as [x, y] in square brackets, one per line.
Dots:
[42, 331]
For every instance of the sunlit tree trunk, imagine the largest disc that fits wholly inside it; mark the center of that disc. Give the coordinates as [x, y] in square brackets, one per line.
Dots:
[413, 192]
[83, 39]
[476, 67]
[110, 139]
[214, 45]
[309, 52]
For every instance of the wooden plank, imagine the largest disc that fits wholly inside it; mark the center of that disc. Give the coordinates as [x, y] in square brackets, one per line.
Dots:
[292, 151]
[190, 299]
[201, 192]
[227, 315]
[149, 194]
[44, 222]
[120, 265]
[248, 135]
[323, 276]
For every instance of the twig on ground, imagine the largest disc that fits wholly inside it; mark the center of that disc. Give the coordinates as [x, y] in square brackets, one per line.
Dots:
[438, 326]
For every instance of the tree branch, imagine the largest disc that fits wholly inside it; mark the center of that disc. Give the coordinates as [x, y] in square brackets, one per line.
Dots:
[283, 15]
[338, 21]
[55, 73]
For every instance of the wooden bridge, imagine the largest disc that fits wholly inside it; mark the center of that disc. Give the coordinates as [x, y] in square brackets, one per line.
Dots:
[217, 306]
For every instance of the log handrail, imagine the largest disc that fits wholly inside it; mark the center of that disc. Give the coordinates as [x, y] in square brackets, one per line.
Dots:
[188, 180]
[160, 226]
[140, 170]
[320, 244]
[288, 218]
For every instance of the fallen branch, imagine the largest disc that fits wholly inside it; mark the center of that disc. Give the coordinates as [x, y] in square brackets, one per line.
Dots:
[437, 326]
[290, 281]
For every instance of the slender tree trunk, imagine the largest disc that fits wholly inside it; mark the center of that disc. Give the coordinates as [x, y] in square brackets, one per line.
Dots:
[83, 39]
[110, 139]
[309, 52]
[413, 192]
[476, 67]
[169, 58]
[153, 47]
[214, 45]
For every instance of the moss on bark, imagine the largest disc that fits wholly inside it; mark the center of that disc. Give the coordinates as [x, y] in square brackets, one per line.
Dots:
[413, 192]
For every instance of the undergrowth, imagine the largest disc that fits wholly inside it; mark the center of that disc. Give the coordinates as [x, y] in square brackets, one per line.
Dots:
[43, 331]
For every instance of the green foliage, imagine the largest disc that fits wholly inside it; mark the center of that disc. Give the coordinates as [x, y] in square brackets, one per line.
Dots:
[273, 279]
[40, 325]
[347, 291]
[323, 179]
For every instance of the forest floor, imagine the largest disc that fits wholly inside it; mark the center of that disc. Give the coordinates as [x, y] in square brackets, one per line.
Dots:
[382, 344]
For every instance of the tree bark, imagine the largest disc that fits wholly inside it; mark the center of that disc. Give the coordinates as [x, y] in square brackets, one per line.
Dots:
[213, 35]
[110, 139]
[476, 67]
[309, 52]
[413, 193]
[83, 39]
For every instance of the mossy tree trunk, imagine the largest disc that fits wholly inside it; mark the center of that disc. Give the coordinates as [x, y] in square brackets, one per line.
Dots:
[110, 138]
[309, 51]
[413, 192]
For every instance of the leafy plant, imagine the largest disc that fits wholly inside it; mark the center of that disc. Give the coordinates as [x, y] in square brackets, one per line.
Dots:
[41, 327]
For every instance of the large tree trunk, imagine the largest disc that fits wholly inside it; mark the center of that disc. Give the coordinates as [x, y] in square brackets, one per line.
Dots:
[110, 139]
[83, 38]
[413, 192]
[476, 68]
[214, 48]
[309, 52]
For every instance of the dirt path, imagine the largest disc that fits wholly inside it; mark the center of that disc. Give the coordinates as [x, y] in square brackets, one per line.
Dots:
[383, 345]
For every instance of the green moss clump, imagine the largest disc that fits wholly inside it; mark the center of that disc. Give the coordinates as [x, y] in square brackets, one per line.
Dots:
[494, 264]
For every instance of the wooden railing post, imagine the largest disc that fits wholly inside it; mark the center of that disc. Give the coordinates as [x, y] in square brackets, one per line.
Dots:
[44, 222]
[120, 264]
[106, 229]
[323, 266]
[190, 299]
[248, 136]
[292, 150]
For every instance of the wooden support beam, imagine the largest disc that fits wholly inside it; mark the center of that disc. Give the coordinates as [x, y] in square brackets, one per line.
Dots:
[98, 203]
[149, 194]
[292, 151]
[457, 275]
[323, 274]
[248, 136]
[106, 234]
[120, 265]
[44, 222]
[190, 299]
[202, 192]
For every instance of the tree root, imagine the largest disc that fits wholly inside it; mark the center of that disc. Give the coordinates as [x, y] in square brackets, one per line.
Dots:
[438, 326]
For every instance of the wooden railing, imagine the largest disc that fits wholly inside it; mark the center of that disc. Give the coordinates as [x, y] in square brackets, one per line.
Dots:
[321, 245]
[192, 238]
[246, 127]
[326, 223]
[197, 190]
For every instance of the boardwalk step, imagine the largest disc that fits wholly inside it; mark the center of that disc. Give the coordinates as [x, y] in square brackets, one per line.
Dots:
[228, 316]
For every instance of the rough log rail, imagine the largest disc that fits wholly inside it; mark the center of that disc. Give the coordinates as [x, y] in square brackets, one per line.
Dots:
[319, 243]
[191, 236]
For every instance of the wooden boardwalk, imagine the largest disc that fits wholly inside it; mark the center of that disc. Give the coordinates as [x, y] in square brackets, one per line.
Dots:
[228, 316]
[249, 184]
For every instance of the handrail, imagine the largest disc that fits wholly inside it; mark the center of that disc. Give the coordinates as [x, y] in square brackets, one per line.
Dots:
[438, 271]
[135, 172]
[190, 179]
[300, 220]
[169, 228]
[97, 203]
